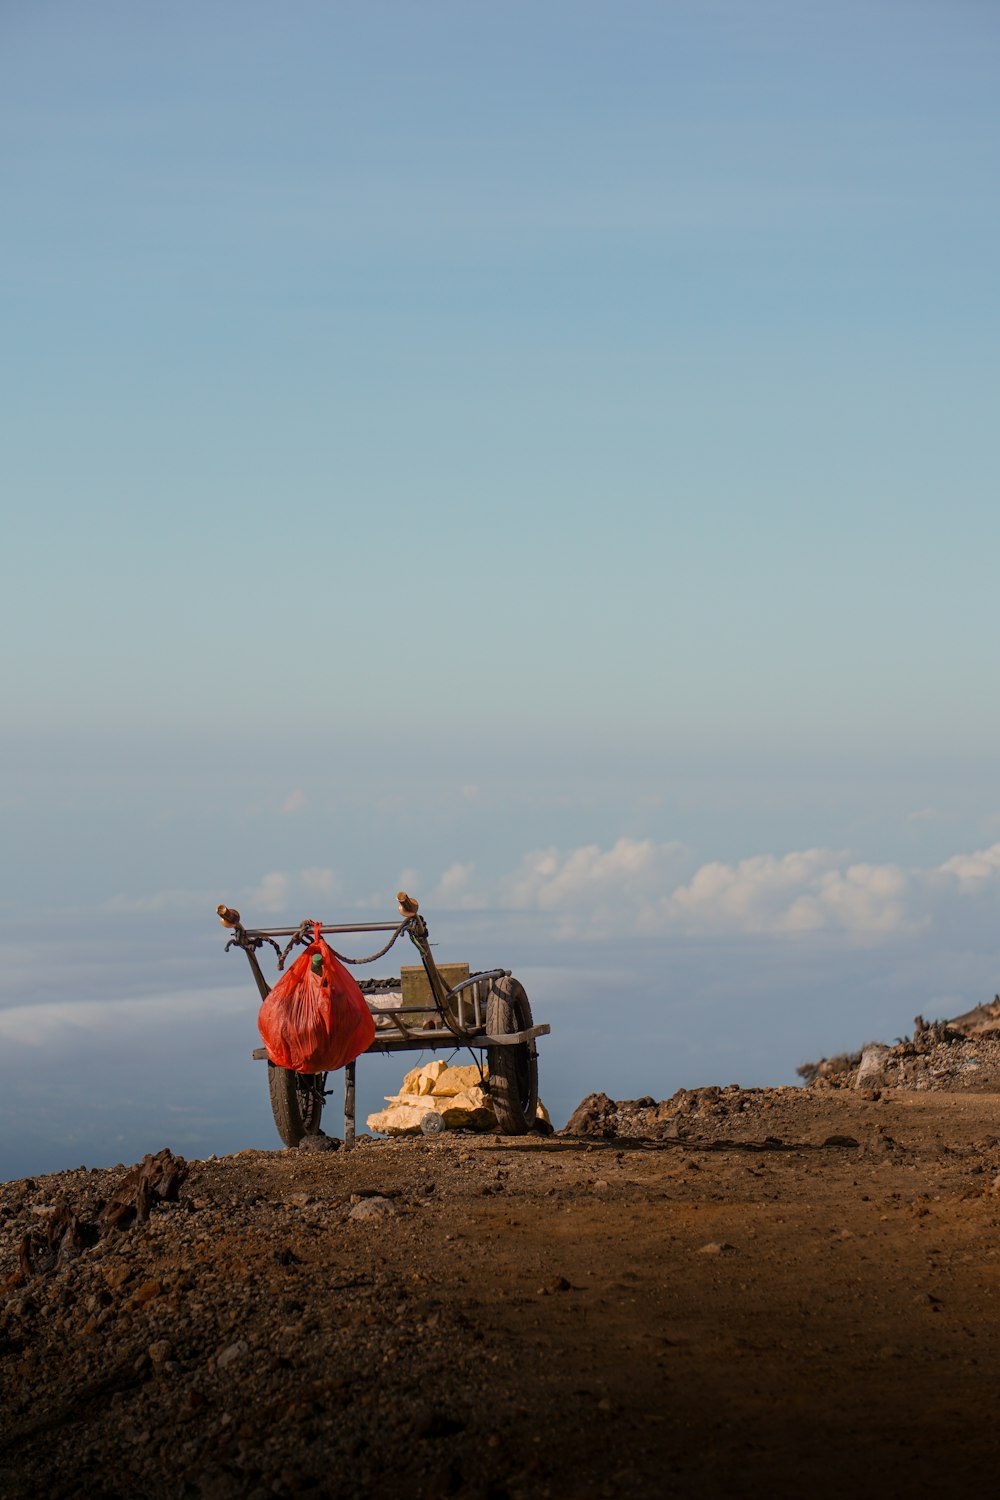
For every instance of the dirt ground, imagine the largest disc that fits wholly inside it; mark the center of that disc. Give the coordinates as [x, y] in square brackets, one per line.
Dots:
[783, 1292]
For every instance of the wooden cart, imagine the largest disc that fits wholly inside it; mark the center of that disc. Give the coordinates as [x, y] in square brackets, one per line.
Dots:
[427, 1007]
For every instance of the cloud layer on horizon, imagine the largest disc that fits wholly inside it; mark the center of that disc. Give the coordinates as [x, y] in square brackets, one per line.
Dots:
[641, 887]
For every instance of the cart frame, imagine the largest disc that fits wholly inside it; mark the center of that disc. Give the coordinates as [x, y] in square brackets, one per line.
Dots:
[487, 1012]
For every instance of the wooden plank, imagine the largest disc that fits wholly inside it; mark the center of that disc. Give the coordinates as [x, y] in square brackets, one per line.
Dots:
[509, 1038]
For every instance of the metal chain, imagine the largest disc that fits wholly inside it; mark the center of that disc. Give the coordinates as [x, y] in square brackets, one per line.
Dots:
[304, 936]
[296, 937]
[374, 957]
[251, 945]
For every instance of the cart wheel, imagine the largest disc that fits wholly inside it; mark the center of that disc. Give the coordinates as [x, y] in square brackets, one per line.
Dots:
[513, 1070]
[296, 1102]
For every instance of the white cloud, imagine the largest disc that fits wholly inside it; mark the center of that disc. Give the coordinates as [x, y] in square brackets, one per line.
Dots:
[973, 871]
[640, 887]
[456, 889]
[270, 896]
[632, 868]
[806, 891]
[320, 882]
[588, 889]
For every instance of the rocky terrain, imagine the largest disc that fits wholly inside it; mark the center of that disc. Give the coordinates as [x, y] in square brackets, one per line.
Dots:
[730, 1293]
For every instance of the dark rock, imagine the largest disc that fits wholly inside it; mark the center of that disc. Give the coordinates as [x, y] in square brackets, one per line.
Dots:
[829, 1067]
[156, 1179]
[319, 1142]
[592, 1116]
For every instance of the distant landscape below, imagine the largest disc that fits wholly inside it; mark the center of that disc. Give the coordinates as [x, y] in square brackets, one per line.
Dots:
[119, 1036]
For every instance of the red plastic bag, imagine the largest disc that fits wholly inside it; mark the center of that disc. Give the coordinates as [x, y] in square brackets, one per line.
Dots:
[315, 1019]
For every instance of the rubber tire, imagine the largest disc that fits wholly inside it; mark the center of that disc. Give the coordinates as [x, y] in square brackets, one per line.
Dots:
[296, 1108]
[513, 1070]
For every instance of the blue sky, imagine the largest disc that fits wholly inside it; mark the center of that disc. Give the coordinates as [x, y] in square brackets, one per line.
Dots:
[547, 452]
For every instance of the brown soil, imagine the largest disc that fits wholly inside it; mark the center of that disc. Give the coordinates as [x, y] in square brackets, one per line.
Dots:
[783, 1292]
